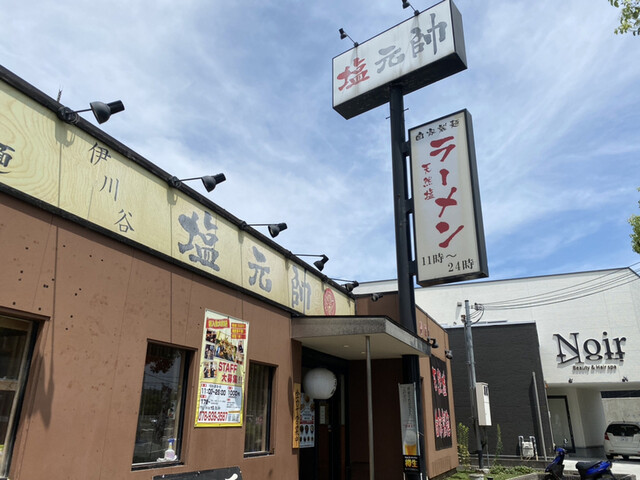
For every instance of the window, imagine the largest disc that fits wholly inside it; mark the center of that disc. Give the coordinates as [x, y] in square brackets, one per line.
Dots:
[258, 409]
[16, 345]
[160, 420]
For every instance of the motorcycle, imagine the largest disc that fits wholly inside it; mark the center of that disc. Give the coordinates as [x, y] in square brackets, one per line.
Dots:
[587, 470]
[555, 469]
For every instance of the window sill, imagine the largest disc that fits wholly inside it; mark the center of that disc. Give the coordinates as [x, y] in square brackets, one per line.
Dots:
[258, 454]
[149, 466]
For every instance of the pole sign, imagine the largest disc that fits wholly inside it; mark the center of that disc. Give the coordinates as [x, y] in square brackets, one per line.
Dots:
[419, 51]
[449, 236]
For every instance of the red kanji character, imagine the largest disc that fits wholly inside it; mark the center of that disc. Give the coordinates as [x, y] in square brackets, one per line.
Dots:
[426, 167]
[353, 78]
[428, 194]
[447, 202]
[444, 173]
[437, 144]
[443, 227]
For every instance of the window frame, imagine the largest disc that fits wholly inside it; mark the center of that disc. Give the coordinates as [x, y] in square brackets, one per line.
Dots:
[269, 447]
[182, 402]
[22, 380]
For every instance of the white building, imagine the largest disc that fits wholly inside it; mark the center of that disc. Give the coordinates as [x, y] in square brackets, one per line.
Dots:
[588, 327]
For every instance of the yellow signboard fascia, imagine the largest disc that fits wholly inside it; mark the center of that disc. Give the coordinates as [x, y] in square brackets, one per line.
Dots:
[263, 270]
[64, 166]
[315, 306]
[29, 134]
[101, 186]
[335, 302]
[203, 240]
[310, 296]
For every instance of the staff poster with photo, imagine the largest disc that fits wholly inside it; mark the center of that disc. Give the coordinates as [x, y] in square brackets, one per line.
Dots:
[222, 371]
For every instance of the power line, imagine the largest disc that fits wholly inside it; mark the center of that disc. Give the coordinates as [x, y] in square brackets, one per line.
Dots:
[587, 288]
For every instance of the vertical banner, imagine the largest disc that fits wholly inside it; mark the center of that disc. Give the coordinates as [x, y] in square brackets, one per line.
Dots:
[307, 422]
[448, 229]
[222, 371]
[409, 424]
[297, 407]
[441, 415]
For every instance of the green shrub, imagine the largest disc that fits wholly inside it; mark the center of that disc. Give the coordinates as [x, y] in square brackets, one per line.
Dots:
[511, 471]
[462, 432]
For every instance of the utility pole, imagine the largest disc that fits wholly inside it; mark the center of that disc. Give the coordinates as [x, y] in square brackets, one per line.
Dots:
[471, 367]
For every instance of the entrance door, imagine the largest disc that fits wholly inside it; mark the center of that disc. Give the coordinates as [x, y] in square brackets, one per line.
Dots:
[561, 423]
[330, 439]
[327, 458]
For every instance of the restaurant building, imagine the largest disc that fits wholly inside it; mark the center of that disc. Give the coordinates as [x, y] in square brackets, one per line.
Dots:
[147, 333]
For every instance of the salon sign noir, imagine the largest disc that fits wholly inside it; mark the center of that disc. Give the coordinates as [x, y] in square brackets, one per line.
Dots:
[572, 349]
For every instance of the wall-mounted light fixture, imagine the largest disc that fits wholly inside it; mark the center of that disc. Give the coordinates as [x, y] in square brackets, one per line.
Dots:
[274, 228]
[318, 263]
[102, 111]
[406, 4]
[209, 181]
[344, 35]
[433, 343]
[448, 354]
[349, 286]
[625, 379]
[376, 296]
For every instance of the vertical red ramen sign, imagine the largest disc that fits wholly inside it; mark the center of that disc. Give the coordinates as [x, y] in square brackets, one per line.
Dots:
[449, 236]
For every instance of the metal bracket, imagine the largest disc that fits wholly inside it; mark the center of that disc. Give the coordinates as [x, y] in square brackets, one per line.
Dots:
[408, 205]
[405, 148]
[413, 268]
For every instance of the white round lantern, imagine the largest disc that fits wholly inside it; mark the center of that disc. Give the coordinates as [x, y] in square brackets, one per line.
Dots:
[319, 383]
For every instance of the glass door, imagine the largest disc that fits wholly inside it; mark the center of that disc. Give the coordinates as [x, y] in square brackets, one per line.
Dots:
[561, 423]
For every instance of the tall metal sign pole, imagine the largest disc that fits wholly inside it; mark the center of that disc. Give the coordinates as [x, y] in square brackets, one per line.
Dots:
[406, 298]
[420, 51]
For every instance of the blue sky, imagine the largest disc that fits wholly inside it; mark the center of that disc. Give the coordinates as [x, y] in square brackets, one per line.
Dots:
[244, 88]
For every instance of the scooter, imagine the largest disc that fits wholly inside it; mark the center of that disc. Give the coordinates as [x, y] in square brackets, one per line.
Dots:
[555, 469]
[587, 470]
[595, 470]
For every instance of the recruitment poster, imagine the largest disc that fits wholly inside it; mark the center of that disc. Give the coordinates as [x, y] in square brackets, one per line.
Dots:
[441, 416]
[222, 371]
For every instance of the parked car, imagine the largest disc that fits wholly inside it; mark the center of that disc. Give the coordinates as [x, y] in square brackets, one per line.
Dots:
[622, 438]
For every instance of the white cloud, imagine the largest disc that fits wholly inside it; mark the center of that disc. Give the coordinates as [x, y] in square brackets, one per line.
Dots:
[244, 89]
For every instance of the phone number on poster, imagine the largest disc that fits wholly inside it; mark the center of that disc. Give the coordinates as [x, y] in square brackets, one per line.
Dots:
[219, 417]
